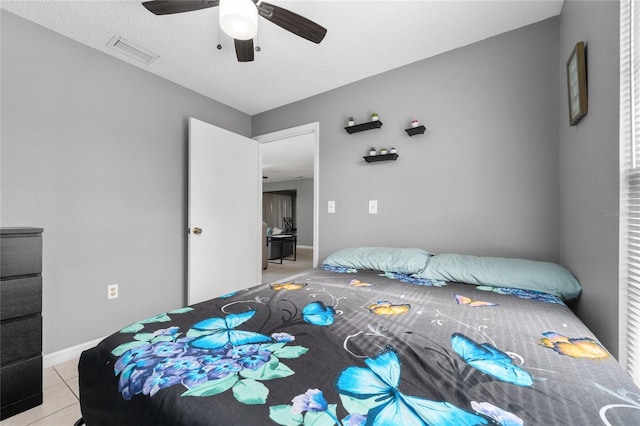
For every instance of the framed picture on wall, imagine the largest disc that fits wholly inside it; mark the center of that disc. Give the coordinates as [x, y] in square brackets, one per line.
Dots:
[577, 84]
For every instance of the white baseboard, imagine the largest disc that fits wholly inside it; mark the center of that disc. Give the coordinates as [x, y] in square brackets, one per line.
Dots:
[301, 246]
[54, 358]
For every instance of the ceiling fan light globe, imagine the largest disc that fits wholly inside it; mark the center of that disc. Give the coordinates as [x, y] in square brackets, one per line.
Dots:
[239, 19]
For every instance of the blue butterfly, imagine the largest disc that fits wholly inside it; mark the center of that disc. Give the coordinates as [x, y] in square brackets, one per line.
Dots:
[381, 379]
[317, 313]
[228, 295]
[223, 333]
[490, 360]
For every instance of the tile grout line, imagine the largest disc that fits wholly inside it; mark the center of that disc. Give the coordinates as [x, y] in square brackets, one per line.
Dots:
[53, 413]
[61, 408]
[71, 390]
[65, 381]
[57, 374]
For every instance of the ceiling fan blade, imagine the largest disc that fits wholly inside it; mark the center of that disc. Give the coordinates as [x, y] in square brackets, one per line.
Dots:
[244, 50]
[292, 22]
[166, 7]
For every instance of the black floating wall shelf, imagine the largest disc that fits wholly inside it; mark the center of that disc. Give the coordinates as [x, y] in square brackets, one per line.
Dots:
[415, 130]
[380, 157]
[364, 126]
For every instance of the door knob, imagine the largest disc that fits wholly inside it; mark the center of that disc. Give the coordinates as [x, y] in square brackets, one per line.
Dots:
[197, 231]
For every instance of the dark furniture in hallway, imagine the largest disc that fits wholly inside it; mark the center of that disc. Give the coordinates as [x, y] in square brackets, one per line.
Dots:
[282, 246]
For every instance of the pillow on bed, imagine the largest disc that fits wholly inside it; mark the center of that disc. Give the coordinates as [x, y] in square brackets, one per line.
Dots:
[503, 272]
[386, 259]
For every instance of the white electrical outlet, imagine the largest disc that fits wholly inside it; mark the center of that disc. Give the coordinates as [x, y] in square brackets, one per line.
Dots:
[112, 291]
[373, 206]
[331, 207]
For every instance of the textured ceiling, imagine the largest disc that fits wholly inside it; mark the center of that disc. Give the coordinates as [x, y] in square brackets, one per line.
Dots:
[364, 38]
[289, 159]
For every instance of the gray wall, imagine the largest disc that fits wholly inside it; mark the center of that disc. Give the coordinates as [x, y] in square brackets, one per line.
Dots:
[482, 180]
[304, 206]
[589, 166]
[95, 152]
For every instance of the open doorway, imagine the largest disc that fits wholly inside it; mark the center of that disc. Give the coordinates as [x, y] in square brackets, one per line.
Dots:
[280, 208]
[289, 164]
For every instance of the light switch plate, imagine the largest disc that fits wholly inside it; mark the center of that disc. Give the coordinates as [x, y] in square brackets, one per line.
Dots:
[373, 206]
[331, 207]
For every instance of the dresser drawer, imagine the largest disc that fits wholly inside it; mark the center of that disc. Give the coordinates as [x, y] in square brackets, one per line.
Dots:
[20, 339]
[20, 255]
[20, 296]
[21, 386]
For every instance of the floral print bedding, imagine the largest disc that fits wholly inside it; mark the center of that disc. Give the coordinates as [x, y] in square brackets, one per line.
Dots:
[358, 348]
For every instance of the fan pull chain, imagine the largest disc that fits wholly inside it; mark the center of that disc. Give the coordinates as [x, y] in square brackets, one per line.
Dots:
[219, 46]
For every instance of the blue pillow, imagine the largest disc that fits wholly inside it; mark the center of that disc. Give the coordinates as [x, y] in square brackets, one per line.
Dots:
[503, 272]
[386, 259]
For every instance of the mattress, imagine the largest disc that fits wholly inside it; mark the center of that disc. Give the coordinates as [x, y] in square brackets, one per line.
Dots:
[327, 348]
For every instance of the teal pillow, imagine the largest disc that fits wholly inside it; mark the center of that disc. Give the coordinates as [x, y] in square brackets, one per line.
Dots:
[503, 272]
[386, 259]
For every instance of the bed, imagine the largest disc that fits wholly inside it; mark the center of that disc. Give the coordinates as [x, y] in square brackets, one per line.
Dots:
[368, 338]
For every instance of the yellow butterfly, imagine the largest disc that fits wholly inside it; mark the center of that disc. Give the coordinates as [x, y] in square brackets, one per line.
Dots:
[358, 283]
[287, 286]
[386, 308]
[582, 347]
[464, 300]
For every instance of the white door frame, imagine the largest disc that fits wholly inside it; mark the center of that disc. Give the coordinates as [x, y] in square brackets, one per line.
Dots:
[311, 128]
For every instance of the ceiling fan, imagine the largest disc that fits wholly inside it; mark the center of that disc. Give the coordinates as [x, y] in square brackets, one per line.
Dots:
[239, 20]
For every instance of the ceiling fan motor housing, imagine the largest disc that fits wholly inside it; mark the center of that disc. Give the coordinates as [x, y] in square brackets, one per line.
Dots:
[239, 19]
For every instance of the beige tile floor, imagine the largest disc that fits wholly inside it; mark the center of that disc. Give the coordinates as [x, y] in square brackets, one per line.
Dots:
[275, 271]
[60, 406]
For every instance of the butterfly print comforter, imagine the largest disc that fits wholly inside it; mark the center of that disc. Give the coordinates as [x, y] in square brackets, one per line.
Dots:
[365, 348]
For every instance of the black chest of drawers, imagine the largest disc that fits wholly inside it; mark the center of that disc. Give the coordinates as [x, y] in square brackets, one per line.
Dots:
[20, 320]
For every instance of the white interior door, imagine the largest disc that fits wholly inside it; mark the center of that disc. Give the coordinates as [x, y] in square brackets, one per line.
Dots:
[225, 225]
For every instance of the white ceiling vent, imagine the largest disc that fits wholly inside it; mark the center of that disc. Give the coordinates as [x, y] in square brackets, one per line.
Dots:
[132, 50]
